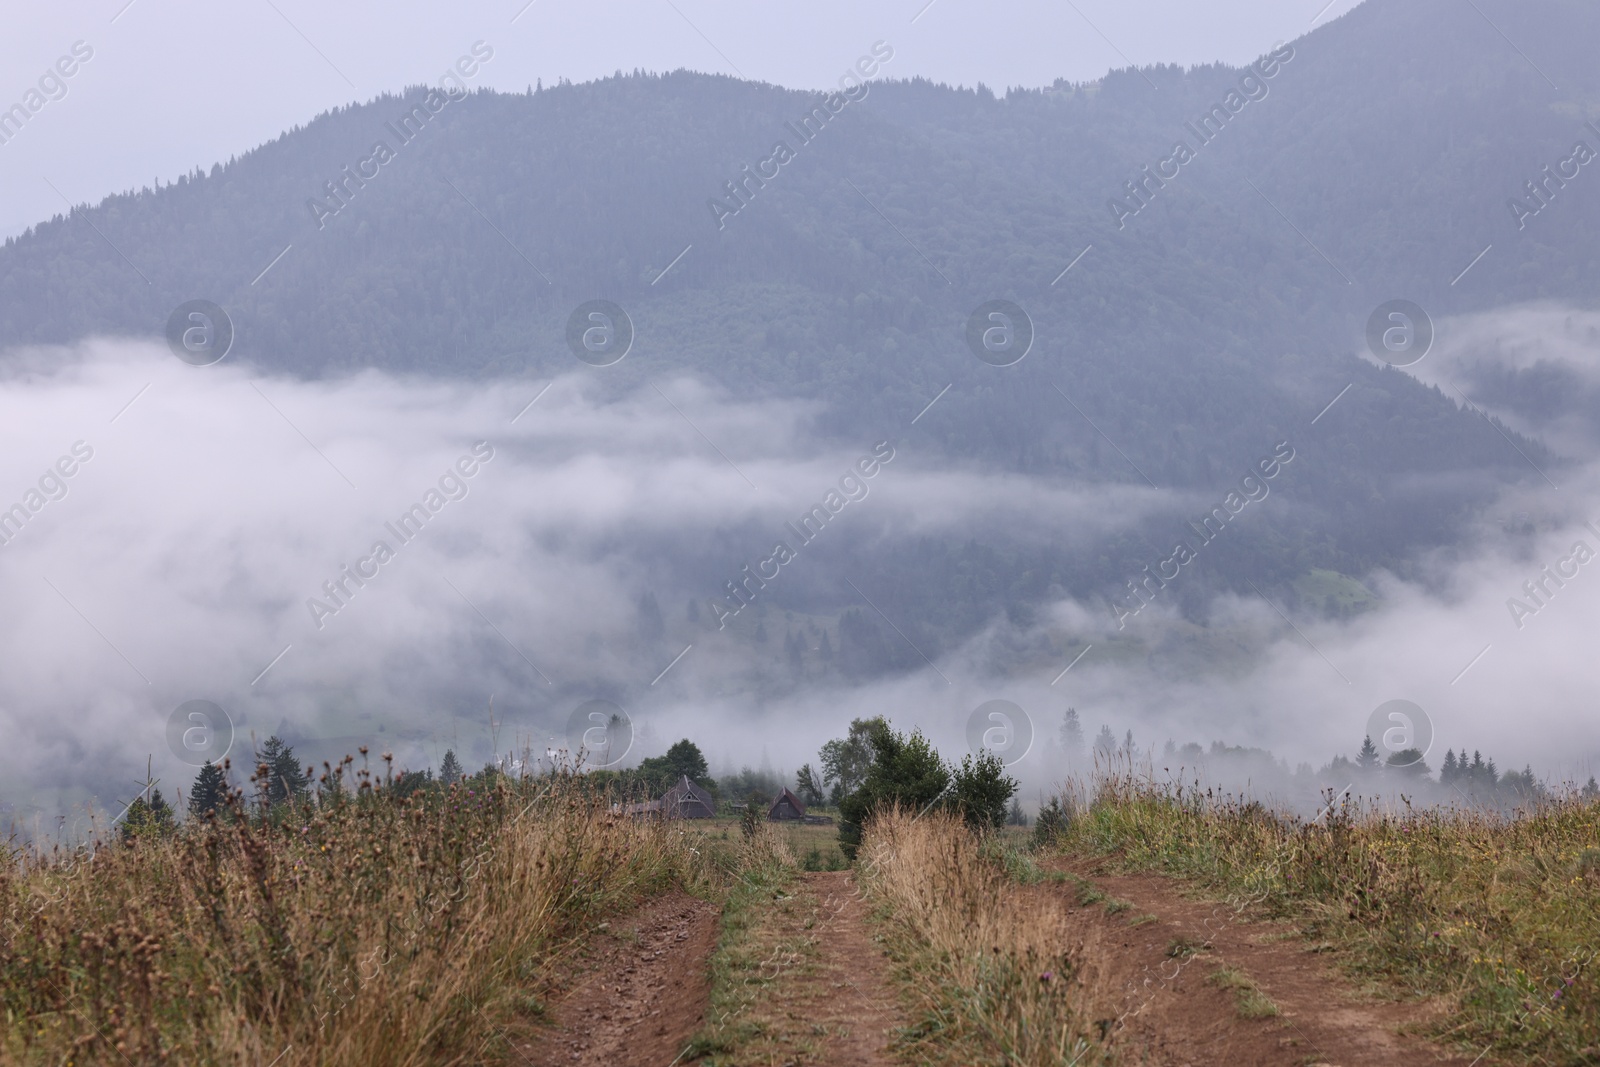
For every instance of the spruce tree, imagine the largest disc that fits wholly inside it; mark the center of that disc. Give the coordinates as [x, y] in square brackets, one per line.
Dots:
[1367, 758]
[284, 778]
[152, 818]
[1105, 742]
[1072, 736]
[210, 791]
[1448, 772]
[449, 769]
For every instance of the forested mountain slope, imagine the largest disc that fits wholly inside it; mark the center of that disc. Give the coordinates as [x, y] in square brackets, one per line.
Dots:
[1199, 330]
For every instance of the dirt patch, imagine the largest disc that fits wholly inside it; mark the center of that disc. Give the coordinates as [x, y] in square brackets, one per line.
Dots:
[804, 982]
[846, 992]
[1199, 984]
[639, 996]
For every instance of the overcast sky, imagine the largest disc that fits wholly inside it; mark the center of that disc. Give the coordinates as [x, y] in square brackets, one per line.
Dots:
[174, 84]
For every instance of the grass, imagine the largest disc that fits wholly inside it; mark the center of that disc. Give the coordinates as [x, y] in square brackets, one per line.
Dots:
[753, 956]
[986, 959]
[366, 929]
[1499, 916]
[1252, 1002]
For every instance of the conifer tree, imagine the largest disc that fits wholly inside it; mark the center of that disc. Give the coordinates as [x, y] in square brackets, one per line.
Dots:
[152, 818]
[284, 778]
[210, 791]
[826, 648]
[1367, 758]
[1105, 742]
[449, 769]
[1448, 772]
[1072, 736]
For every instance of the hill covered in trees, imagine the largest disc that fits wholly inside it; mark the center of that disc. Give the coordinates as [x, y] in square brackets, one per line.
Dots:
[1207, 316]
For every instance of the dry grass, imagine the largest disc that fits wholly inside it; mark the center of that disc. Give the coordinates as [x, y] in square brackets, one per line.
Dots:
[1498, 915]
[985, 956]
[367, 929]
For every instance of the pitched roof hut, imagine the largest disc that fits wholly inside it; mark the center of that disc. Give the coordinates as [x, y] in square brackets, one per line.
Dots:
[786, 806]
[687, 801]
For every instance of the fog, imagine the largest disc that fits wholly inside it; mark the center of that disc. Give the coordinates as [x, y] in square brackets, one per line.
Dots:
[184, 556]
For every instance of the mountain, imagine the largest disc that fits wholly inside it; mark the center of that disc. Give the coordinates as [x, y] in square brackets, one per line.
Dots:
[1209, 318]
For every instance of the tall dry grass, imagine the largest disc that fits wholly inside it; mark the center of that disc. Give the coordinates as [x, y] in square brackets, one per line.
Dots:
[987, 957]
[1498, 914]
[368, 929]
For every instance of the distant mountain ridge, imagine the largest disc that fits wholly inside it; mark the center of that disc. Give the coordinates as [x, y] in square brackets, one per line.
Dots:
[1203, 322]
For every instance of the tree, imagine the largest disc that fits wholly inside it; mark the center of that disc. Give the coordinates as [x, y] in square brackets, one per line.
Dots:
[980, 790]
[449, 769]
[1105, 742]
[808, 785]
[825, 648]
[651, 624]
[1015, 817]
[1367, 758]
[1055, 818]
[904, 771]
[687, 761]
[1072, 737]
[683, 760]
[1449, 771]
[1408, 762]
[147, 819]
[845, 760]
[277, 766]
[209, 792]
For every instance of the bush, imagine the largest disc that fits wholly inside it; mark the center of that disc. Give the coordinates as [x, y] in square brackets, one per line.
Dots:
[1055, 819]
[981, 789]
[905, 771]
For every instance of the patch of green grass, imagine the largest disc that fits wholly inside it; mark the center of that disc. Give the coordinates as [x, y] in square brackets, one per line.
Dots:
[1180, 948]
[1252, 1002]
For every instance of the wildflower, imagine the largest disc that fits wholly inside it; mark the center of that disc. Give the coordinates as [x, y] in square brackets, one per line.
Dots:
[1046, 976]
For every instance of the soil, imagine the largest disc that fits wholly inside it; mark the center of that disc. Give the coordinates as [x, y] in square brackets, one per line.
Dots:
[640, 995]
[1171, 1010]
[843, 996]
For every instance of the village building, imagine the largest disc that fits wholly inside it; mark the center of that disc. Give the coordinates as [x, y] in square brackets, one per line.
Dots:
[786, 807]
[687, 801]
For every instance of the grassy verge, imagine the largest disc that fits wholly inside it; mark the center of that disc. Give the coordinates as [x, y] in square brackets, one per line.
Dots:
[983, 955]
[1500, 915]
[754, 954]
[364, 929]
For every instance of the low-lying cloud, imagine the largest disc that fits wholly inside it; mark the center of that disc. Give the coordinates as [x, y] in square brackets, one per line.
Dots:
[208, 511]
